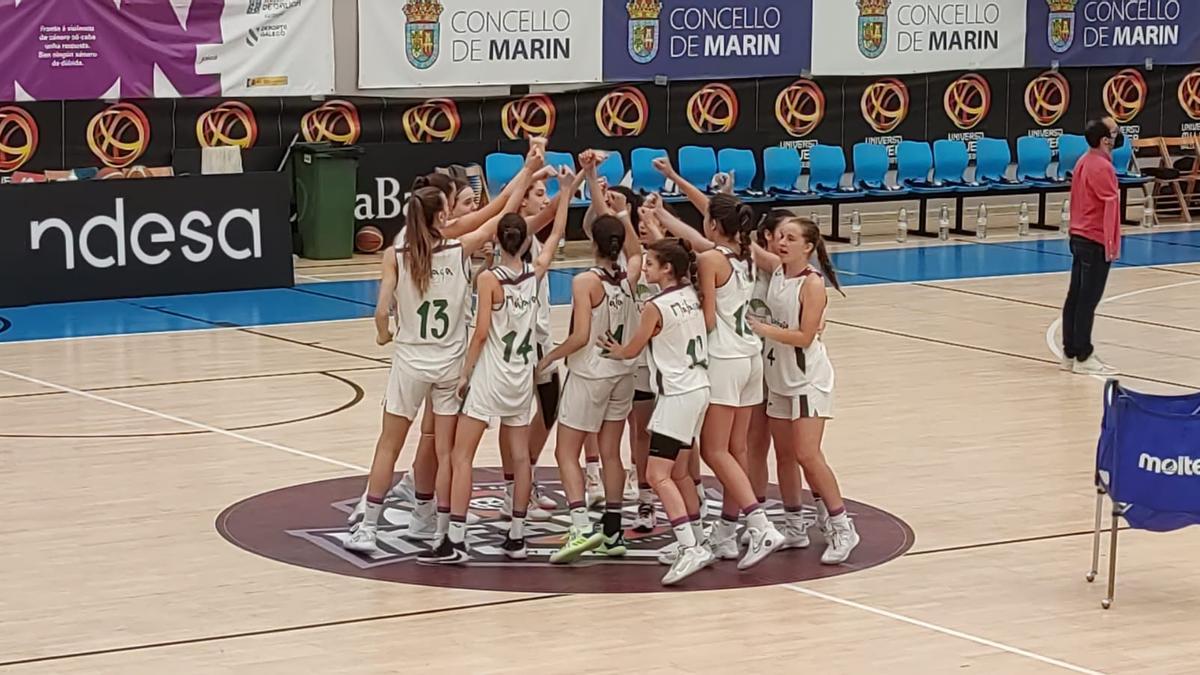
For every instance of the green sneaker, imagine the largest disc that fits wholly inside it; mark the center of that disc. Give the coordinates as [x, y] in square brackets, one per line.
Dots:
[578, 543]
[613, 547]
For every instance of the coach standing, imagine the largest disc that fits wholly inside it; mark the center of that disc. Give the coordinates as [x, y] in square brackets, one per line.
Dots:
[1095, 244]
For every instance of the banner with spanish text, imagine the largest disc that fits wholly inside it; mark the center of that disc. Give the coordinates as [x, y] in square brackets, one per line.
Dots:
[435, 43]
[1112, 32]
[888, 37]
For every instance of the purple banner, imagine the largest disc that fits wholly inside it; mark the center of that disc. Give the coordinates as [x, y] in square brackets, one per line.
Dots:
[1112, 32]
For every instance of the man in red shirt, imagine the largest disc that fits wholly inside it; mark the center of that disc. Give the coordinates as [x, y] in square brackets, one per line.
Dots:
[1095, 244]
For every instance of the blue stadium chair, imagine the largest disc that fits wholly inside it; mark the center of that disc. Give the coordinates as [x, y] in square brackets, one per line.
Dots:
[643, 176]
[827, 165]
[743, 166]
[612, 168]
[992, 157]
[557, 159]
[697, 165]
[1033, 161]
[500, 168]
[1122, 160]
[870, 170]
[781, 174]
[950, 162]
[914, 161]
[1070, 148]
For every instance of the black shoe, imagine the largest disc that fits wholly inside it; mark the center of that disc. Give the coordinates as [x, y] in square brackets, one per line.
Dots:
[514, 548]
[446, 553]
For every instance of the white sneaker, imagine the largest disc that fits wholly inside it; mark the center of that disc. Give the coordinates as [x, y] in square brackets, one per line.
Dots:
[595, 492]
[646, 519]
[1066, 363]
[691, 561]
[794, 535]
[631, 485]
[843, 538]
[535, 512]
[421, 528]
[356, 514]
[1094, 366]
[362, 540]
[405, 490]
[762, 544]
[725, 549]
[542, 499]
[668, 554]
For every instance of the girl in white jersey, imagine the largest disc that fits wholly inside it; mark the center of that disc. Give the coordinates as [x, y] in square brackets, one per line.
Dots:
[672, 324]
[799, 373]
[426, 280]
[497, 378]
[598, 392]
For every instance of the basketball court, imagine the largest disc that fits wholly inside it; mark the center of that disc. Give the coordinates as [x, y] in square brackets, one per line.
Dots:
[173, 470]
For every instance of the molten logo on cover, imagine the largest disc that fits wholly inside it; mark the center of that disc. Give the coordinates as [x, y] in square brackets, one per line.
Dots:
[1189, 94]
[872, 27]
[230, 124]
[1047, 98]
[532, 115]
[18, 138]
[423, 32]
[334, 122]
[1125, 95]
[713, 109]
[968, 100]
[622, 112]
[118, 135]
[800, 107]
[643, 29]
[434, 121]
[885, 104]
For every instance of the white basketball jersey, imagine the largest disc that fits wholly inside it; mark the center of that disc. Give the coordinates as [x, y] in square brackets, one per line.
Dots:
[645, 290]
[678, 354]
[431, 328]
[613, 315]
[510, 353]
[543, 293]
[731, 337]
[789, 369]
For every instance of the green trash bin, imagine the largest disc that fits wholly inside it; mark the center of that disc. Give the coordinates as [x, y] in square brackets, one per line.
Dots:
[326, 178]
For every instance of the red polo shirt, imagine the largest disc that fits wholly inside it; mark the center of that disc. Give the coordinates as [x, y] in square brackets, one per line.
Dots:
[1096, 202]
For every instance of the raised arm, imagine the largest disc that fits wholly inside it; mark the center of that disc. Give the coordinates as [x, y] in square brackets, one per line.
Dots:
[632, 250]
[510, 197]
[680, 229]
[694, 194]
[566, 181]
[383, 303]
[764, 259]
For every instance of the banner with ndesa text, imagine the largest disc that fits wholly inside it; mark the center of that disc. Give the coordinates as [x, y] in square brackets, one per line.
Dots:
[434, 43]
[887, 37]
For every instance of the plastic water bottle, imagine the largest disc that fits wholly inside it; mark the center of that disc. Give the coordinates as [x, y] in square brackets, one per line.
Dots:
[812, 215]
[944, 223]
[855, 228]
[902, 226]
[1023, 220]
[1148, 212]
[1064, 225]
[981, 222]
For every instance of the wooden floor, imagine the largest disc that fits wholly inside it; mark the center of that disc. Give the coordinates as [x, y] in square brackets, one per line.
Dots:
[953, 415]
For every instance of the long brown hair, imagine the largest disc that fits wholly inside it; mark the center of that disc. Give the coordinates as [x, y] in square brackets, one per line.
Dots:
[734, 219]
[679, 255]
[812, 235]
[421, 234]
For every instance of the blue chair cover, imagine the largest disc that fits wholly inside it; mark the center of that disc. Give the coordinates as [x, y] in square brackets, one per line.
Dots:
[1070, 148]
[1033, 160]
[744, 167]
[950, 162]
[914, 161]
[557, 159]
[500, 168]
[613, 168]
[697, 165]
[781, 174]
[826, 166]
[643, 176]
[870, 170]
[992, 157]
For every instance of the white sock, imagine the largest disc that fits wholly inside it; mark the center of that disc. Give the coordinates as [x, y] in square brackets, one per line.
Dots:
[593, 471]
[697, 529]
[516, 530]
[840, 519]
[580, 520]
[685, 535]
[458, 531]
[443, 523]
[424, 509]
[371, 513]
[758, 520]
[645, 496]
[725, 529]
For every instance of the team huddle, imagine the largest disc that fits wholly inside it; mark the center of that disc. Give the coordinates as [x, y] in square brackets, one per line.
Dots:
[704, 344]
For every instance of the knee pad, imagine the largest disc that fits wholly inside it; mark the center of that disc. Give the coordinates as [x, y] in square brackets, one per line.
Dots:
[548, 399]
[665, 447]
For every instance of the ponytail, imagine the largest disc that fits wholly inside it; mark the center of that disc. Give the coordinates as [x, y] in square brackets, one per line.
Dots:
[608, 238]
[734, 219]
[812, 234]
[421, 234]
[512, 233]
[678, 254]
[693, 266]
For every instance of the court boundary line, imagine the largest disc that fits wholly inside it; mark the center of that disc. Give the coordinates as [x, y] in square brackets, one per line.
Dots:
[950, 632]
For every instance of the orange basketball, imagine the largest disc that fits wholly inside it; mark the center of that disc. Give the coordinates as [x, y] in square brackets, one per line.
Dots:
[368, 239]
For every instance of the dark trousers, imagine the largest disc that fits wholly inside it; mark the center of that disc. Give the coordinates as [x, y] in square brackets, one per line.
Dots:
[1089, 274]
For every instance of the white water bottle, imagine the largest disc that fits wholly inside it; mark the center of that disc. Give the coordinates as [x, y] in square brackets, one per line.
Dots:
[1148, 212]
[1023, 220]
[855, 228]
[944, 223]
[902, 226]
[981, 222]
[1064, 225]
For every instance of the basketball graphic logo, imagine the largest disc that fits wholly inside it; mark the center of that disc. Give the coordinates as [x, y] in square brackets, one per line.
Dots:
[622, 112]
[1060, 27]
[643, 29]
[18, 138]
[713, 109]
[434, 121]
[1125, 95]
[118, 135]
[872, 27]
[800, 107]
[422, 32]
[885, 104]
[532, 115]
[1189, 94]
[1047, 98]
[967, 101]
[231, 123]
[335, 122]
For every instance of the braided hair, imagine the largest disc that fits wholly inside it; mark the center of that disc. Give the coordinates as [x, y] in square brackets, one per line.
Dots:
[733, 219]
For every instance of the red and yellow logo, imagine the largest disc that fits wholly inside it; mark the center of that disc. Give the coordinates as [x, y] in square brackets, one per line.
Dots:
[713, 109]
[1125, 95]
[119, 135]
[885, 104]
[18, 138]
[231, 123]
[532, 115]
[622, 112]
[1189, 94]
[434, 121]
[968, 100]
[800, 107]
[335, 121]
[1047, 98]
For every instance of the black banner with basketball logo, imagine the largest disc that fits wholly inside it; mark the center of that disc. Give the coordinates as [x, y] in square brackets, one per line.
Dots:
[967, 106]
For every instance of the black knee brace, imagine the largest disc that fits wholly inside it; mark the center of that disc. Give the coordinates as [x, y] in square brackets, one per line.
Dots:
[665, 447]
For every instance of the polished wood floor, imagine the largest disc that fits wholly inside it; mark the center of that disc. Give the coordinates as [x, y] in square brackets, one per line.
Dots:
[953, 415]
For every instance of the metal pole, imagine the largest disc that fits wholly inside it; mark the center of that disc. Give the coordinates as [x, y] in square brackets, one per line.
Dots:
[1091, 575]
[1112, 560]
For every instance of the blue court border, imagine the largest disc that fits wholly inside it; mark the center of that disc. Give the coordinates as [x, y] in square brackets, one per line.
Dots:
[341, 300]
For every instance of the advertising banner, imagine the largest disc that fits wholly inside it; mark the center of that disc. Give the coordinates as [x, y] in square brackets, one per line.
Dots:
[967, 106]
[801, 112]
[690, 39]
[1131, 96]
[1112, 32]
[434, 43]
[1047, 103]
[885, 111]
[1181, 101]
[885, 37]
[130, 238]
[68, 49]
